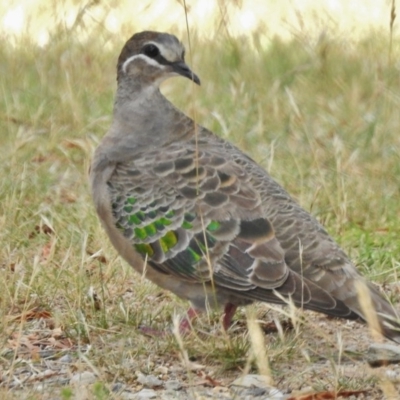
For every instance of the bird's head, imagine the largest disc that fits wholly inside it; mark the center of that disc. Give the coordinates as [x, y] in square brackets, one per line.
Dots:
[152, 57]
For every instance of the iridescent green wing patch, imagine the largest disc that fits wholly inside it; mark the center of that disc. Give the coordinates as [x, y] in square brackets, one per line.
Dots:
[168, 241]
[144, 248]
[185, 263]
[149, 228]
[141, 223]
[199, 248]
[213, 226]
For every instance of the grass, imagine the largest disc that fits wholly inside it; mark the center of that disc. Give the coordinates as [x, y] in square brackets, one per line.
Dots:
[321, 115]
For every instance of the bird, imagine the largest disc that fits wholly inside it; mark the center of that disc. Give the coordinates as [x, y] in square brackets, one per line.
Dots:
[198, 217]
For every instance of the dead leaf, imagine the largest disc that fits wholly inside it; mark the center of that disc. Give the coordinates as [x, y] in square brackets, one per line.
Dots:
[207, 379]
[63, 344]
[27, 344]
[328, 395]
[35, 313]
[31, 345]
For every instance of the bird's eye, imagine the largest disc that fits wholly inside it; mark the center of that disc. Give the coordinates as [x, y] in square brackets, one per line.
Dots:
[151, 50]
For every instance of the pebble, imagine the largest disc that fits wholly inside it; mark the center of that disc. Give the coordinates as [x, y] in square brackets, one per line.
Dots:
[65, 359]
[128, 396]
[149, 381]
[251, 386]
[161, 370]
[381, 354]
[40, 387]
[251, 381]
[117, 387]
[392, 375]
[83, 378]
[172, 395]
[173, 384]
[220, 389]
[145, 394]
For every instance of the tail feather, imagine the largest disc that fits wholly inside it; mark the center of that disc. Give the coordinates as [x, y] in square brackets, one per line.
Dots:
[360, 300]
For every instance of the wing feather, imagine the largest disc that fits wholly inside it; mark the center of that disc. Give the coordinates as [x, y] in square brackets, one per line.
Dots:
[186, 211]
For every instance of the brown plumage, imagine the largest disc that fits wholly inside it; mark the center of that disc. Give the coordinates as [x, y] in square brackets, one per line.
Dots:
[212, 225]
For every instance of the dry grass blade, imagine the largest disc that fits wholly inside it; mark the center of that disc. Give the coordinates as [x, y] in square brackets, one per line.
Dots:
[369, 310]
[257, 340]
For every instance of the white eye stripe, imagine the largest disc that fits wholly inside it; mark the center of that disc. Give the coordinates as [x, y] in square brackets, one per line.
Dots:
[169, 54]
[149, 61]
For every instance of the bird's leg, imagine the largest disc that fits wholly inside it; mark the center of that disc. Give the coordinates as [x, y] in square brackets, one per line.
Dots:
[229, 312]
[186, 324]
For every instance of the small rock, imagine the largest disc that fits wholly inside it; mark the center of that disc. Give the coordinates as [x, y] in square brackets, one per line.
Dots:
[176, 369]
[249, 393]
[83, 378]
[173, 384]
[392, 375]
[40, 387]
[128, 396]
[352, 349]
[149, 381]
[117, 387]
[256, 386]
[252, 381]
[256, 392]
[145, 394]
[172, 395]
[65, 359]
[220, 389]
[381, 354]
[161, 370]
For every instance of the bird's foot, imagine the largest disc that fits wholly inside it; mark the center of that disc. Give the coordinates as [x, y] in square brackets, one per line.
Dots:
[185, 325]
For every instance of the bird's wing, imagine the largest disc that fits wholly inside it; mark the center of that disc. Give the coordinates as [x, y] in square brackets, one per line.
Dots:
[195, 214]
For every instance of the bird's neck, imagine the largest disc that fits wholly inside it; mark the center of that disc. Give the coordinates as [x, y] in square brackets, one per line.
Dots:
[144, 117]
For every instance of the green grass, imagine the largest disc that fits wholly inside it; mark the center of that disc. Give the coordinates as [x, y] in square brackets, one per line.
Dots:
[322, 116]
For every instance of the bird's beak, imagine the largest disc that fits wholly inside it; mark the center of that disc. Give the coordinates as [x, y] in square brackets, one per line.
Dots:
[182, 69]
